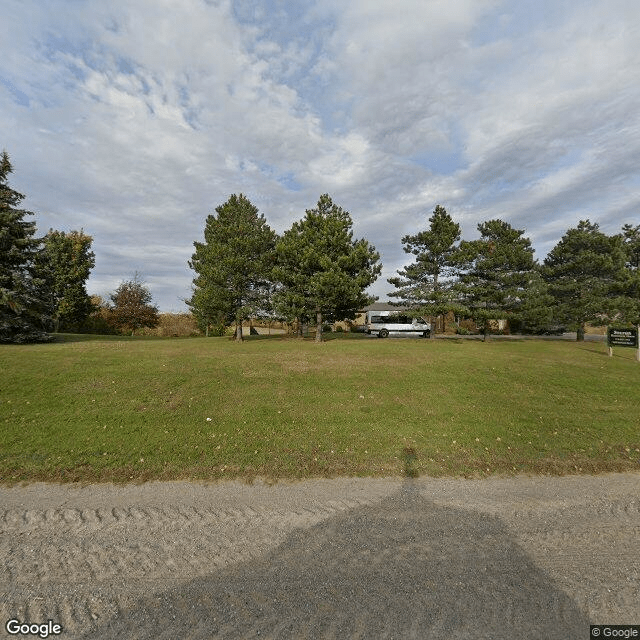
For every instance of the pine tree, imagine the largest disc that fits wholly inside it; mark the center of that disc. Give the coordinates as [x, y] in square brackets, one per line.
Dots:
[625, 306]
[23, 306]
[322, 272]
[534, 312]
[426, 285]
[233, 265]
[584, 271]
[631, 245]
[496, 272]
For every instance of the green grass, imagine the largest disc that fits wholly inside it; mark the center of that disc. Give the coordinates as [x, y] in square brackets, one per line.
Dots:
[122, 409]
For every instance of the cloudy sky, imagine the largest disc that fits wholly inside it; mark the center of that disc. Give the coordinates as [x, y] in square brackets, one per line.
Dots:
[134, 119]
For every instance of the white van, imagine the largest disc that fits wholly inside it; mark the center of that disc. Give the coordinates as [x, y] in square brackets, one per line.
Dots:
[385, 323]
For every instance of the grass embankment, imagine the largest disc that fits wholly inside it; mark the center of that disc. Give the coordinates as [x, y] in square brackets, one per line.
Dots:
[101, 409]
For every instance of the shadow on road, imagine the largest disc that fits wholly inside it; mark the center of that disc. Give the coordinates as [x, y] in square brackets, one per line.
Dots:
[402, 568]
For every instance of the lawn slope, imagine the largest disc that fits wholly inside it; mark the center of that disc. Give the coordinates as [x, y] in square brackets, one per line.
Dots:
[127, 409]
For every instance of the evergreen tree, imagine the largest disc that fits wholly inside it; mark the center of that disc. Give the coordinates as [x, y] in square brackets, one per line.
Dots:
[23, 306]
[322, 272]
[631, 245]
[496, 272]
[426, 285]
[584, 272]
[232, 266]
[534, 313]
[65, 263]
[626, 306]
[132, 308]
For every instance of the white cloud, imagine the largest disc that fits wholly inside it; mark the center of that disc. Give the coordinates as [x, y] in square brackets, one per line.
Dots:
[134, 120]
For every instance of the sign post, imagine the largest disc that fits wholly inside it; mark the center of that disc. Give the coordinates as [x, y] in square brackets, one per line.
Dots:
[623, 337]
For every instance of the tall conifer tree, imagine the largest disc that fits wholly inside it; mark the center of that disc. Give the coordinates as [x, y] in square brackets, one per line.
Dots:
[321, 270]
[23, 306]
[497, 273]
[584, 271]
[625, 307]
[233, 265]
[426, 284]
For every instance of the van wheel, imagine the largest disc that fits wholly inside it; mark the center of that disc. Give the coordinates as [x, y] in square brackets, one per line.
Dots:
[383, 333]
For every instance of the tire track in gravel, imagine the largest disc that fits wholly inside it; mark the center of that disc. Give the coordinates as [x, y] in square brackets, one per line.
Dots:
[51, 552]
[590, 549]
[419, 559]
[73, 519]
[402, 568]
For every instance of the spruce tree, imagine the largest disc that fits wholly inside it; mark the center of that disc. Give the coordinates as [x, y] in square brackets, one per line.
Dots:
[321, 270]
[23, 301]
[233, 265]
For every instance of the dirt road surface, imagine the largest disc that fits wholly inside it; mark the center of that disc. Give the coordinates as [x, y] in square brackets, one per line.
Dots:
[525, 557]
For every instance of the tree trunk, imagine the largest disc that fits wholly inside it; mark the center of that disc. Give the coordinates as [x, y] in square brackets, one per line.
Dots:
[580, 333]
[319, 326]
[432, 332]
[239, 337]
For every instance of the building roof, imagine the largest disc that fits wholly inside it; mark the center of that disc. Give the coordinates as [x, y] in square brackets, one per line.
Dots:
[384, 306]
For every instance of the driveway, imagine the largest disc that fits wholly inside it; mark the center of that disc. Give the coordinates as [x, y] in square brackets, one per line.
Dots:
[524, 557]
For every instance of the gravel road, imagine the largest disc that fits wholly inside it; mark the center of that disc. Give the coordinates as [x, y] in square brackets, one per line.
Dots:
[525, 557]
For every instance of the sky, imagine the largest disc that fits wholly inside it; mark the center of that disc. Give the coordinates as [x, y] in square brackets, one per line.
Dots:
[135, 119]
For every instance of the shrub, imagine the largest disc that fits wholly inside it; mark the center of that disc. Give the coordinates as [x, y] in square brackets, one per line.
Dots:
[218, 330]
[100, 320]
[468, 325]
[174, 325]
[452, 327]
[177, 324]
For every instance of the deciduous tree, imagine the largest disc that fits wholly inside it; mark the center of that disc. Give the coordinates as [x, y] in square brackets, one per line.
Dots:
[131, 306]
[65, 263]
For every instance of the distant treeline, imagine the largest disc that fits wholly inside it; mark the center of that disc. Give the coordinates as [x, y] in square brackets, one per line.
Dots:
[317, 273]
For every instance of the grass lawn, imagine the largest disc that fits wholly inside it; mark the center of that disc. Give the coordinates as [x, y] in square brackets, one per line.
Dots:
[131, 409]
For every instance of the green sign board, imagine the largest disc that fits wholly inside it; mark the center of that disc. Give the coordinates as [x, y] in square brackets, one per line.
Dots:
[622, 337]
